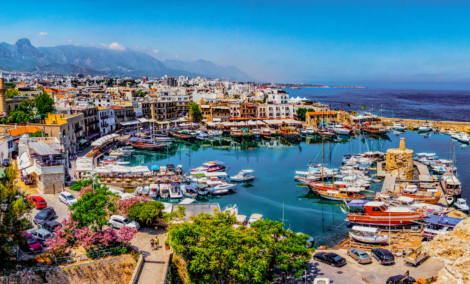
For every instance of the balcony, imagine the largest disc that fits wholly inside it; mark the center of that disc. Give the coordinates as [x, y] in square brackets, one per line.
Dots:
[104, 116]
[79, 128]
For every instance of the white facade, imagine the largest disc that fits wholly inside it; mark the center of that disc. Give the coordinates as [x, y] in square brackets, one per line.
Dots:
[107, 120]
[280, 111]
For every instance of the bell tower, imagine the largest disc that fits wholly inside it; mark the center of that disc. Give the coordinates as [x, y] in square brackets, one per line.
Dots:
[3, 90]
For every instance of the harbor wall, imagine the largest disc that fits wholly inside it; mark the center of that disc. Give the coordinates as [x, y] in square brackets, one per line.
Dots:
[457, 125]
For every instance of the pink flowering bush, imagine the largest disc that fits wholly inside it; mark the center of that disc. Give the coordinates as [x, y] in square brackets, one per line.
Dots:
[126, 234]
[124, 205]
[85, 190]
[56, 246]
[106, 237]
[85, 237]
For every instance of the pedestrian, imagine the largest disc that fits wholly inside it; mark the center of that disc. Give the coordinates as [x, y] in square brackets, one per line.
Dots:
[156, 242]
[152, 243]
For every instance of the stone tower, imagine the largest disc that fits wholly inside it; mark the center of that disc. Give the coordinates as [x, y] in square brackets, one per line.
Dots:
[3, 90]
[400, 160]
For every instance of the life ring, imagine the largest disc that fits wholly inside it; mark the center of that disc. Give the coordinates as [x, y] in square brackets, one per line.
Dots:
[424, 207]
[421, 214]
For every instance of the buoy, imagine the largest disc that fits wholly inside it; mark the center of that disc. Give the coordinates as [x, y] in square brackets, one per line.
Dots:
[424, 207]
[421, 214]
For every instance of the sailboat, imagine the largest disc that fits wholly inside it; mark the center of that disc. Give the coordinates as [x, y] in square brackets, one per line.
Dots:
[147, 144]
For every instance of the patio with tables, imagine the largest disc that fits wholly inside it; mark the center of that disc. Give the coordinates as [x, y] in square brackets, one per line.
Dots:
[122, 176]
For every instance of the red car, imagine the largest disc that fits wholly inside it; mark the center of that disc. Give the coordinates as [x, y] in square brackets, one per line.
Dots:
[38, 201]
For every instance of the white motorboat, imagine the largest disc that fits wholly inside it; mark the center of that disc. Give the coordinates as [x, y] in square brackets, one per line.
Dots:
[146, 190]
[189, 190]
[303, 131]
[256, 132]
[339, 129]
[153, 192]
[164, 191]
[138, 190]
[202, 136]
[175, 190]
[220, 191]
[368, 235]
[398, 127]
[244, 175]
[224, 186]
[232, 209]
[462, 137]
[212, 166]
[310, 130]
[425, 127]
[461, 204]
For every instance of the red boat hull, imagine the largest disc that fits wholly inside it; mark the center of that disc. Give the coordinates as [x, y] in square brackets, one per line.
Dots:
[384, 220]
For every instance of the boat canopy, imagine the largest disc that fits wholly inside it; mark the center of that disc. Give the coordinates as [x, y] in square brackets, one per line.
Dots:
[443, 220]
[199, 175]
[155, 167]
[358, 202]
[365, 229]
[191, 187]
[451, 180]
[405, 199]
[354, 189]
[174, 184]
[201, 186]
[153, 185]
[256, 217]
[216, 174]
[246, 171]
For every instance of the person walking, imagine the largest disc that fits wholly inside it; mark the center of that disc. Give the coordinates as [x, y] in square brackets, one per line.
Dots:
[152, 243]
[156, 242]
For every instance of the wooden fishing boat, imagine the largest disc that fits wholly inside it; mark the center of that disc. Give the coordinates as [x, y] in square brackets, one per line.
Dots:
[368, 235]
[236, 133]
[378, 213]
[345, 194]
[181, 135]
[429, 197]
[143, 145]
[375, 129]
[288, 133]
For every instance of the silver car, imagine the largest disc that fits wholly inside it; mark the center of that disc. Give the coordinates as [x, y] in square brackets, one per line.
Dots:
[360, 256]
[67, 198]
[117, 222]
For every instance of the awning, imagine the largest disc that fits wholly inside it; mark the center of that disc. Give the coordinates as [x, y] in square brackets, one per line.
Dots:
[93, 135]
[127, 123]
[216, 119]
[205, 106]
[24, 161]
[140, 169]
[29, 170]
[142, 120]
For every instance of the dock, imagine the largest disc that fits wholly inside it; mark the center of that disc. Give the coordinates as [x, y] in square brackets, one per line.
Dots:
[388, 186]
[422, 169]
[380, 171]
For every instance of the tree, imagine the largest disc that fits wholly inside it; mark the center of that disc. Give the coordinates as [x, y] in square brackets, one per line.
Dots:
[140, 93]
[25, 112]
[215, 252]
[10, 85]
[44, 104]
[91, 103]
[363, 107]
[38, 134]
[146, 213]
[265, 98]
[195, 112]
[10, 93]
[236, 96]
[3, 121]
[92, 208]
[14, 209]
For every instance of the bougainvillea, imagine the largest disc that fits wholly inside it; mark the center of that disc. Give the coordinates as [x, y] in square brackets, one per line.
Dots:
[85, 190]
[126, 234]
[56, 246]
[106, 237]
[124, 205]
[85, 237]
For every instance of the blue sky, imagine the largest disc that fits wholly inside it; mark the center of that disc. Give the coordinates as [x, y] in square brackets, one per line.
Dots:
[373, 43]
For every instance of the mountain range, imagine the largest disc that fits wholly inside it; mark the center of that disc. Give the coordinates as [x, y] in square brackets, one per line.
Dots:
[71, 59]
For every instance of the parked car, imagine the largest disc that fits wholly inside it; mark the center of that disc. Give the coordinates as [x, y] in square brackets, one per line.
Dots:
[330, 258]
[49, 225]
[383, 256]
[67, 198]
[118, 222]
[45, 214]
[42, 235]
[321, 281]
[360, 256]
[32, 244]
[38, 201]
[6, 162]
[397, 279]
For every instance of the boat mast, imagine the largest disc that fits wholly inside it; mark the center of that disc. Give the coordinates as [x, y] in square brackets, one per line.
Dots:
[322, 158]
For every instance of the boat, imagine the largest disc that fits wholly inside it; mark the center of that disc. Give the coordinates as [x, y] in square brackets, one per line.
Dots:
[451, 184]
[288, 133]
[214, 133]
[224, 186]
[425, 127]
[461, 204]
[146, 190]
[175, 190]
[398, 127]
[246, 133]
[189, 190]
[219, 191]
[202, 136]
[306, 176]
[164, 191]
[236, 133]
[186, 135]
[430, 196]
[375, 129]
[310, 130]
[162, 138]
[368, 235]
[146, 144]
[138, 190]
[153, 192]
[244, 175]
[340, 130]
[253, 218]
[344, 193]
[231, 209]
[405, 201]
[380, 214]
[303, 131]
[256, 133]
[438, 225]
[266, 132]
[462, 137]
[202, 189]
[323, 132]
[212, 166]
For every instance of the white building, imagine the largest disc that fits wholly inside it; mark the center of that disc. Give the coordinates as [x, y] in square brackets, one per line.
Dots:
[107, 120]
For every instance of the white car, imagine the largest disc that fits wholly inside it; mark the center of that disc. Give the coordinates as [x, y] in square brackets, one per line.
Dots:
[321, 281]
[117, 222]
[67, 198]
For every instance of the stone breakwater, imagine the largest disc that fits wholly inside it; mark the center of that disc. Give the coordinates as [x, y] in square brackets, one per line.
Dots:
[454, 250]
[457, 125]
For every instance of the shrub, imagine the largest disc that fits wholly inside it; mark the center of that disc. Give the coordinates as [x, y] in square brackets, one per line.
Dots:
[126, 234]
[146, 213]
[85, 237]
[124, 205]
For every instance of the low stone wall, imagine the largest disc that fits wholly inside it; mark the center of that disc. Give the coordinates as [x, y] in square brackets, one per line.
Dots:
[457, 125]
[137, 269]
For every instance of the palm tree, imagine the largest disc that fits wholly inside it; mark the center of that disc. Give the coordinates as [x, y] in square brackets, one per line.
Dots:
[363, 107]
[349, 107]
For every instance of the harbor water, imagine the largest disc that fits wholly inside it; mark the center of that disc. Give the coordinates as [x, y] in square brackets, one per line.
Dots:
[275, 193]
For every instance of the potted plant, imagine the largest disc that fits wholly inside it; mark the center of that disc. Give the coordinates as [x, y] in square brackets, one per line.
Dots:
[167, 244]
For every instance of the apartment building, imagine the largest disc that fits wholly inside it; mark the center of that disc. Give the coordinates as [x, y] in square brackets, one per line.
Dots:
[107, 121]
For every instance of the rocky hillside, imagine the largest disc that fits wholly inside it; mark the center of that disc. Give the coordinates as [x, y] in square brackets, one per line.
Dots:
[454, 250]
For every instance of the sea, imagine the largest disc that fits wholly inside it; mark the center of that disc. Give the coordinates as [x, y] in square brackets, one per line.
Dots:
[275, 194]
[427, 104]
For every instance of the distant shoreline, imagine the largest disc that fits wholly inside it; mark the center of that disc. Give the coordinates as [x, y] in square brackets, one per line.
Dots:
[321, 87]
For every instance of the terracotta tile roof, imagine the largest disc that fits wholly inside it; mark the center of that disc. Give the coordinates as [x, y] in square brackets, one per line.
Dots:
[23, 130]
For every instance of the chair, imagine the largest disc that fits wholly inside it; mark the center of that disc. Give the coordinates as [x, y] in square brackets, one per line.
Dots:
[139, 179]
[128, 180]
[150, 179]
[108, 179]
[118, 180]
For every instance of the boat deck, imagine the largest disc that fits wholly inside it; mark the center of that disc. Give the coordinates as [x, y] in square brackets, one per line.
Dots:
[389, 184]
[133, 182]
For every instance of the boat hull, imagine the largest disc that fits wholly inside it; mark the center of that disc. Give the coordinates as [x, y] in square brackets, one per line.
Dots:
[384, 220]
[369, 239]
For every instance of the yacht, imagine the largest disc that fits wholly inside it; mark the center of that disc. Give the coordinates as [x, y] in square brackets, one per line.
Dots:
[266, 132]
[145, 190]
[189, 190]
[462, 137]
[303, 131]
[175, 191]
[310, 130]
[461, 204]
[398, 127]
[212, 166]
[164, 191]
[202, 136]
[425, 127]
[439, 225]
[153, 192]
[339, 129]
[244, 175]
[256, 133]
